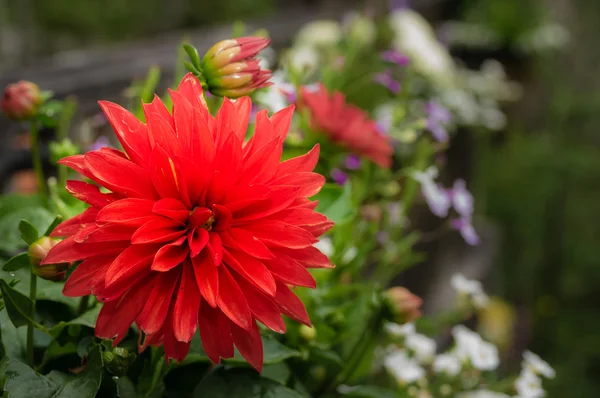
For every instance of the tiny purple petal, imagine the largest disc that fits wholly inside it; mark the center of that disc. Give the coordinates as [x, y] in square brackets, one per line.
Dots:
[437, 198]
[352, 162]
[385, 79]
[395, 57]
[438, 131]
[466, 230]
[339, 176]
[462, 200]
[437, 112]
[101, 142]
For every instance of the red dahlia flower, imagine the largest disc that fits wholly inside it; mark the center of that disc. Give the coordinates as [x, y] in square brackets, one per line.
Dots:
[347, 125]
[199, 230]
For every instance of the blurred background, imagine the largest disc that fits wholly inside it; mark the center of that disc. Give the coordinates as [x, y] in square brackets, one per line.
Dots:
[536, 183]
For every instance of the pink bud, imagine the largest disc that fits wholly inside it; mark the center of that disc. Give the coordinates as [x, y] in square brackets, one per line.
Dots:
[38, 252]
[405, 305]
[21, 100]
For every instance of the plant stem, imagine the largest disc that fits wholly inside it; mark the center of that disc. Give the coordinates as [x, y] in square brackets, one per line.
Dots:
[30, 327]
[83, 305]
[37, 162]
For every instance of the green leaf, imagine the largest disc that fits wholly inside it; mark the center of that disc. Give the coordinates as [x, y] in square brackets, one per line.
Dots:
[86, 319]
[125, 388]
[238, 383]
[341, 209]
[13, 340]
[23, 382]
[278, 372]
[28, 232]
[10, 241]
[57, 220]
[17, 305]
[193, 54]
[17, 262]
[369, 392]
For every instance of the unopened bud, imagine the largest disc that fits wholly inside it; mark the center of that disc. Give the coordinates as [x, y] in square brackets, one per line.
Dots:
[21, 100]
[118, 361]
[231, 68]
[406, 306]
[308, 333]
[38, 252]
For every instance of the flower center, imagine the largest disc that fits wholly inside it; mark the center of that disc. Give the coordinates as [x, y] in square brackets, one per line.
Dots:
[201, 217]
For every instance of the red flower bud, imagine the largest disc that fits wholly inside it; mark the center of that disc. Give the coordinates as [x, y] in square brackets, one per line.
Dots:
[405, 305]
[38, 252]
[231, 69]
[21, 100]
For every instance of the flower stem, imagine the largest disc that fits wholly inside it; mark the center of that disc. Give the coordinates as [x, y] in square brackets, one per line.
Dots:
[30, 327]
[37, 162]
[83, 305]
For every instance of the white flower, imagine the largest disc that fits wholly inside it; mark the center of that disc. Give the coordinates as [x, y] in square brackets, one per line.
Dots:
[320, 33]
[325, 245]
[278, 95]
[403, 368]
[415, 38]
[462, 200]
[470, 346]
[360, 28]
[528, 385]
[397, 330]
[537, 365]
[422, 346]
[435, 195]
[447, 363]
[303, 58]
[483, 394]
[471, 288]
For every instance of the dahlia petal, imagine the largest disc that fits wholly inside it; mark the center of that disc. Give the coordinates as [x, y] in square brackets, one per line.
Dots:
[301, 217]
[262, 306]
[242, 240]
[288, 270]
[207, 278]
[282, 120]
[290, 304]
[228, 165]
[319, 229]
[171, 255]
[174, 348]
[191, 89]
[154, 313]
[263, 133]
[187, 304]
[263, 163]
[310, 257]
[171, 208]
[192, 185]
[131, 132]
[200, 216]
[108, 233]
[197, 238]
[157, 110]
[310, 183]
[243, 196]
[72, 225]
[280, 197]
[249, 344]
[119, 175]
[252, 270]
[127, 211]
[241, 116]
[232, 302]
[223, 217]
[215, 332]
[163, 174]
[278, 233]
[155, 339]
[83, 233]
[68, 251]
[77, 163]
[214, 248]
[130, 262]
[77, 285]
[158, 229]
[186, 124]
[89, 193]
[116, 317]
[304, 163]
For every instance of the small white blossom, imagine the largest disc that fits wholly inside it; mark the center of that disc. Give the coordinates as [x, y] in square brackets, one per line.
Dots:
[483, 394]
[397, 330]
[435, 195]
[529, 385]
[471, 288]
[403, 368]
[448, 364]
[278, 95]
[422, 346]
[470, 346]
[320, 33]
[537, 365]
[303, 58]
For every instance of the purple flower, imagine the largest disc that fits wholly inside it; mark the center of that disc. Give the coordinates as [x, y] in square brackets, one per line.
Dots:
[437, 119]
[101, 142]
[466, 230]
[386, 79]
[435, 195]
[339, 176]
[462, 200]
[395, 57]
[352, 162]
